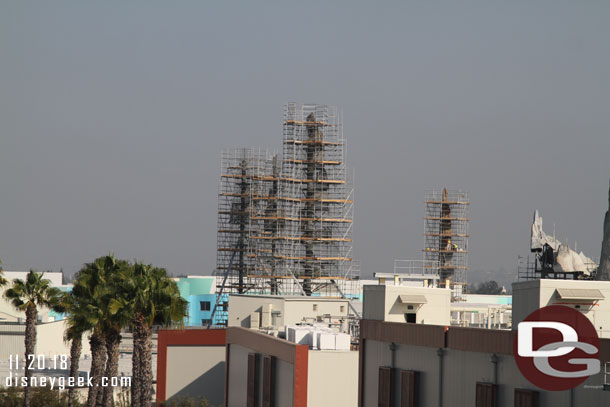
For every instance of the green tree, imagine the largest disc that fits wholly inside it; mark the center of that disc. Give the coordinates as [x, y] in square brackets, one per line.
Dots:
[93, 288]
[27, 296]
[77, 325]
[153, 299]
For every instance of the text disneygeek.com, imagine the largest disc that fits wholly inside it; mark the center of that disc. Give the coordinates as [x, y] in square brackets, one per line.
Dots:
[39, 365]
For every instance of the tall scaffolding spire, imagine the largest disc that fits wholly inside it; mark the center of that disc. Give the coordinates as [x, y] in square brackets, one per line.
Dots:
[446, 237]
[316, 201]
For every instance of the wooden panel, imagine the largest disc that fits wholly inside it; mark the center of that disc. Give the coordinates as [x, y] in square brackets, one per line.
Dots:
[526, 398]
[384, 390]
[486, 395]
[301, 368]
[268, 380]
[481, 340]
[408, 388]
[252, 384]
[398, 332]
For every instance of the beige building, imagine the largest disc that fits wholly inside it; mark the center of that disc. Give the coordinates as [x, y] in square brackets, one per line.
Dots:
[591, 298]
[243, 367]
[407, 304]
[421, 366]
[191, 363]
[274, 313]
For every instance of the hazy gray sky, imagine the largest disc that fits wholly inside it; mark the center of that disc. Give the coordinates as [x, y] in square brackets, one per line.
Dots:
[113, 114]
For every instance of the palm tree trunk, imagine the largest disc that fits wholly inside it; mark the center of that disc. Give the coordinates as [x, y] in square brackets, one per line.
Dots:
[113, 340]
[31, 315]
[146, 366]
[75, 350]
[98, 362]
[136, 359]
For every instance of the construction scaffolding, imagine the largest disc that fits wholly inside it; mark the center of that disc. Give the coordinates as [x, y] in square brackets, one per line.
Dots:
[247, 183]
[285, 226]
[446, 238]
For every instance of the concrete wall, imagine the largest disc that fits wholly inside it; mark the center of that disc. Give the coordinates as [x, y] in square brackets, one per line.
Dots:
[196, 371]
[50, 340]
[421, 359]
[241, 306]
[373, 306]
[284, 383]
[436, 310]
[332, 379]
[531, 295]
[238, 378]
[238, 375]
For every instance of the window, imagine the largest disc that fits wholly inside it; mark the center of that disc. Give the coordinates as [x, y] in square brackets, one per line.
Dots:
[486, 395]
[408, 388]
[206, 322]
[268, 381]
[384, 389]
[252, 381]
[204, 305]
[342, 308]
[526, 398]
[315, 307]
[410, 317]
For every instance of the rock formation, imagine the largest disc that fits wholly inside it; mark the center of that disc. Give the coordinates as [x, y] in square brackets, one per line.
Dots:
[603, 272]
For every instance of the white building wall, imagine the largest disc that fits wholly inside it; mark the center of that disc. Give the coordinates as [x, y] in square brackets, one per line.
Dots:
[284, 383]
[531, 295]
[196, 371]
[436, 310]
[332, 378]
[238, 376]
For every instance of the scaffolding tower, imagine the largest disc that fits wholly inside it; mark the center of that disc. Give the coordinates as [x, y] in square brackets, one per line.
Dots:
[247, 185]
[446, 238]
[285, 225]
[315, 207]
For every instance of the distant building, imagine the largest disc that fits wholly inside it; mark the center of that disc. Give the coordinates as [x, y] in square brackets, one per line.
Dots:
[591, 298]
[200, 292]
[274, 313]
[394, 303]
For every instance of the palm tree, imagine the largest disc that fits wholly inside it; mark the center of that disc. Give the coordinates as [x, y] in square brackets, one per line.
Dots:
[27, 296]
[77, 325]
[154, 299]
[114, 321]
[91, 290]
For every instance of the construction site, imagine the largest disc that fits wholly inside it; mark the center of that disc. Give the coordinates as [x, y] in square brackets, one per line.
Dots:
[285, 220]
